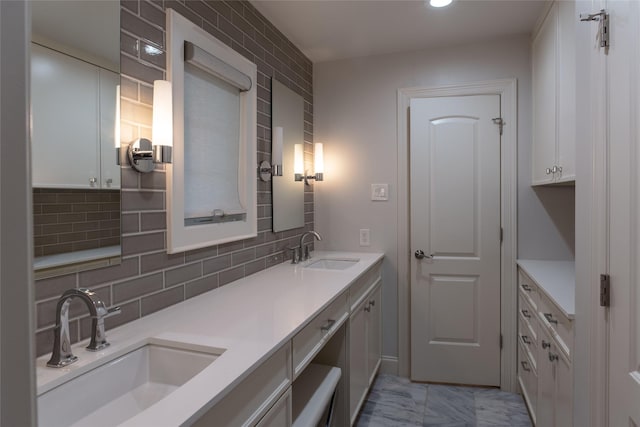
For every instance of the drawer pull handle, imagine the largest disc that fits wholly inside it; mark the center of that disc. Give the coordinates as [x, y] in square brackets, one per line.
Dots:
[553, 357]
[526, 314]
[545, 344]
[328, 326]
[525, 339]
[526, 287]
[550, 318]
[525, 366]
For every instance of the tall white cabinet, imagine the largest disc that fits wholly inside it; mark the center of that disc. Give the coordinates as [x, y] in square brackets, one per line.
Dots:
[553, 84]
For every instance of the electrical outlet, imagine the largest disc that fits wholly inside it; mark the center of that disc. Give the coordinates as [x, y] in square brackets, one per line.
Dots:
[365, 237]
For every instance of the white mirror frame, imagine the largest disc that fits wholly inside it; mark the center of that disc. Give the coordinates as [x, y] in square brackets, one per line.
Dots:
[180, 237]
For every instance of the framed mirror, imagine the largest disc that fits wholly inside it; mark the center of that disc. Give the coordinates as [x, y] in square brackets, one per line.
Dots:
[75, 78]
[287, 118]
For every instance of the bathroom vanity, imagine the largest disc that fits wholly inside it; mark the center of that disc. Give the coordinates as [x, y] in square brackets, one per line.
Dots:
[260, 352]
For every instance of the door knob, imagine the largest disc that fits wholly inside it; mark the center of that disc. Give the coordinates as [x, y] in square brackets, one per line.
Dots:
[419, 254]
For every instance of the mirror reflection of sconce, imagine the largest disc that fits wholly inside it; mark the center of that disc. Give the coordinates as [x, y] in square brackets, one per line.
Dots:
[144, 154]
[318, 163]
[266, 170]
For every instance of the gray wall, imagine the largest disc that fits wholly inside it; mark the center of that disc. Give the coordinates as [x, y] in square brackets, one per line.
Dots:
[355, 112]
[148, 279]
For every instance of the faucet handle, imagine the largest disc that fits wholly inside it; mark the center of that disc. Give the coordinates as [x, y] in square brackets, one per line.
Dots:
[109, 312]
[98, 335]
[295, 257]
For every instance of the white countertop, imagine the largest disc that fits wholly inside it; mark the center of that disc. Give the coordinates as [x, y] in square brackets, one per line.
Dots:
[557, 279]
[250, 318]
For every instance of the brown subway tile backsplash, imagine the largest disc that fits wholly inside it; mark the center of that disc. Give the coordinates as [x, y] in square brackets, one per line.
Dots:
[182, 274]
[216, 264]
[137, 244]
[142, 200]
[155, 302]
[228, 276]
[199, 286]
[149, 279]
[158, 261]
[137, 287]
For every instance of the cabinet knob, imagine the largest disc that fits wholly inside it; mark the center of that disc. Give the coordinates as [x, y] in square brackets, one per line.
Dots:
[525, 313]
[328, 326]
[93, 181]
[109, 181]
[525, 339]
[525, 366]
[553, 357]
[372, 302]
[545, 344]
[367, 308]
[548, 171]
[526, 287]
[550, 318]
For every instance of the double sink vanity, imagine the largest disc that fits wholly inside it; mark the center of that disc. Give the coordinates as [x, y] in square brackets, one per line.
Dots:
[260, 351]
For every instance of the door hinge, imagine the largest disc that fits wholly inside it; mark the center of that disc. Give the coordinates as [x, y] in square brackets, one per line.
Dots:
[605, 290]
[498, 121]
[602, 18]
[501, 341]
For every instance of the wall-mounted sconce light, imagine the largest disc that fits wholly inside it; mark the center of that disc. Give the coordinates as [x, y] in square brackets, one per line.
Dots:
[116, 131]
[266, 170]
[142, 153]
[318, 163]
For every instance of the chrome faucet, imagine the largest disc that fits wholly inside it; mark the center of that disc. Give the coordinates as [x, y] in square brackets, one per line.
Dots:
[61, 354]
[306, 248]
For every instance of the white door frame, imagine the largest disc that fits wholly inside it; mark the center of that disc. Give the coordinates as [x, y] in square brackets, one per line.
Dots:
[507, 89]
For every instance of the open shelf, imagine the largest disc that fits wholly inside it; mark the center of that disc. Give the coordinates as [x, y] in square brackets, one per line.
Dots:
[312, 393]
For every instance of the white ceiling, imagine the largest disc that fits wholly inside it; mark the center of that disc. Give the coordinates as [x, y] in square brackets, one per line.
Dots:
[326, 30]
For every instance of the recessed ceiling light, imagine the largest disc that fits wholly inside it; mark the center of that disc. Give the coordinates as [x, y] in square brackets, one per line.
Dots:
[440, 3]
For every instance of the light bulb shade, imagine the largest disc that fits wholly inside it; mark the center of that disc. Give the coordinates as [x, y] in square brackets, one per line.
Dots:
[162, 133]
[298, 159]
[116, 131]
[318, 158]
[276, 145]
[439, 3]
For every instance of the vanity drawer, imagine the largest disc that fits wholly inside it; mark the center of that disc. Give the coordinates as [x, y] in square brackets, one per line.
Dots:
[361, 287]
[308, 342]
[527, 316]
[528, 289]
[250, 400]
[551, 317]
[528, 379]
[528, 340]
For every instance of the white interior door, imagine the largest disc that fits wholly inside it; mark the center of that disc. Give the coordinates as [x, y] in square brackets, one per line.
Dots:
[623, 68]
[455, 221]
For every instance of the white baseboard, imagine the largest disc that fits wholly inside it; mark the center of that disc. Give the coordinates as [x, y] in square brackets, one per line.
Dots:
[389, 365]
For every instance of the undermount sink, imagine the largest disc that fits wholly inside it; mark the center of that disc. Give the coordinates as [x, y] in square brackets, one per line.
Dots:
[332, 264]
[121, 388]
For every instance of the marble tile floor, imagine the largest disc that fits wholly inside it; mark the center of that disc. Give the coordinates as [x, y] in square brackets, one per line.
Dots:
[397, 402]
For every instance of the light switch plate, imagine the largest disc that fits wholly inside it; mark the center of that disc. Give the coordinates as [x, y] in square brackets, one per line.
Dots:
[379, 191]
